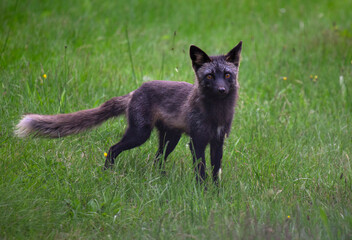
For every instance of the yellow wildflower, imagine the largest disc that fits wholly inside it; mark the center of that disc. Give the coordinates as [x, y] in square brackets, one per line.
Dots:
[315, 78]
[105, 154]
[44, 75]
[284, 78]
[288, 217]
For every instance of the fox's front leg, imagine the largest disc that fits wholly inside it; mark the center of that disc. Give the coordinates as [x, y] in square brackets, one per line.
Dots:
[216, 150]
[197, 146]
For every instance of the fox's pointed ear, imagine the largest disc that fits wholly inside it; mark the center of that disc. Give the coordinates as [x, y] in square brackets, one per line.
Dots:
[235, 54]
[198, 56]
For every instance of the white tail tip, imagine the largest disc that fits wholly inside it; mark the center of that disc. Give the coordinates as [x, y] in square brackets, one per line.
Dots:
[24, 127]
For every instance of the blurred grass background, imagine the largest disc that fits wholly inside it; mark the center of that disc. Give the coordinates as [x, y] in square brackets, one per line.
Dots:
[287, 163]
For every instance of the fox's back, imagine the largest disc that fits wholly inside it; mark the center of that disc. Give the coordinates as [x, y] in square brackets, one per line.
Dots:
[166, 102]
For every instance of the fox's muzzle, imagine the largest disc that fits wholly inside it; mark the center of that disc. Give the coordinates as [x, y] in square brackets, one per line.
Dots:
[222, 90]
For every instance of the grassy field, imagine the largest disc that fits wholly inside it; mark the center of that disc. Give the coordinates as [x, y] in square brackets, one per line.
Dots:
[287, 170]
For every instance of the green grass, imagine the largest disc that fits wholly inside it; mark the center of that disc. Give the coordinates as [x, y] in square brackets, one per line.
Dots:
[289, 152]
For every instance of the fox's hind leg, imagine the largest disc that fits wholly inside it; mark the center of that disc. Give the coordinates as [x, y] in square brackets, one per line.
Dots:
[168, 140]
[133, 137]
[138, 131]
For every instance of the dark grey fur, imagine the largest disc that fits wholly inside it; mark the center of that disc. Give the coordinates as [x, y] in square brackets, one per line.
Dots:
[204, 111]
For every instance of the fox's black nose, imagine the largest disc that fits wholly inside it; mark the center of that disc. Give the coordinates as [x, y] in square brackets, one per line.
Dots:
[221, 90]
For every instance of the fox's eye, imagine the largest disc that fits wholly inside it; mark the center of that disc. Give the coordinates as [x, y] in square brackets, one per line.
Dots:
[227, 75]
[209, 76]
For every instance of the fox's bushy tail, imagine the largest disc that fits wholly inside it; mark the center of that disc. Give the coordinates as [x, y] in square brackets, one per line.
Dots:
[61, 125]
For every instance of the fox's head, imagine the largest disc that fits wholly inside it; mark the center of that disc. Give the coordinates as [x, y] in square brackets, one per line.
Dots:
[216, 75]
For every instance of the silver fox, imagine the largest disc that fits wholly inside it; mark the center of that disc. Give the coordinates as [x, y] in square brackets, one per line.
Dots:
[204, 111]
